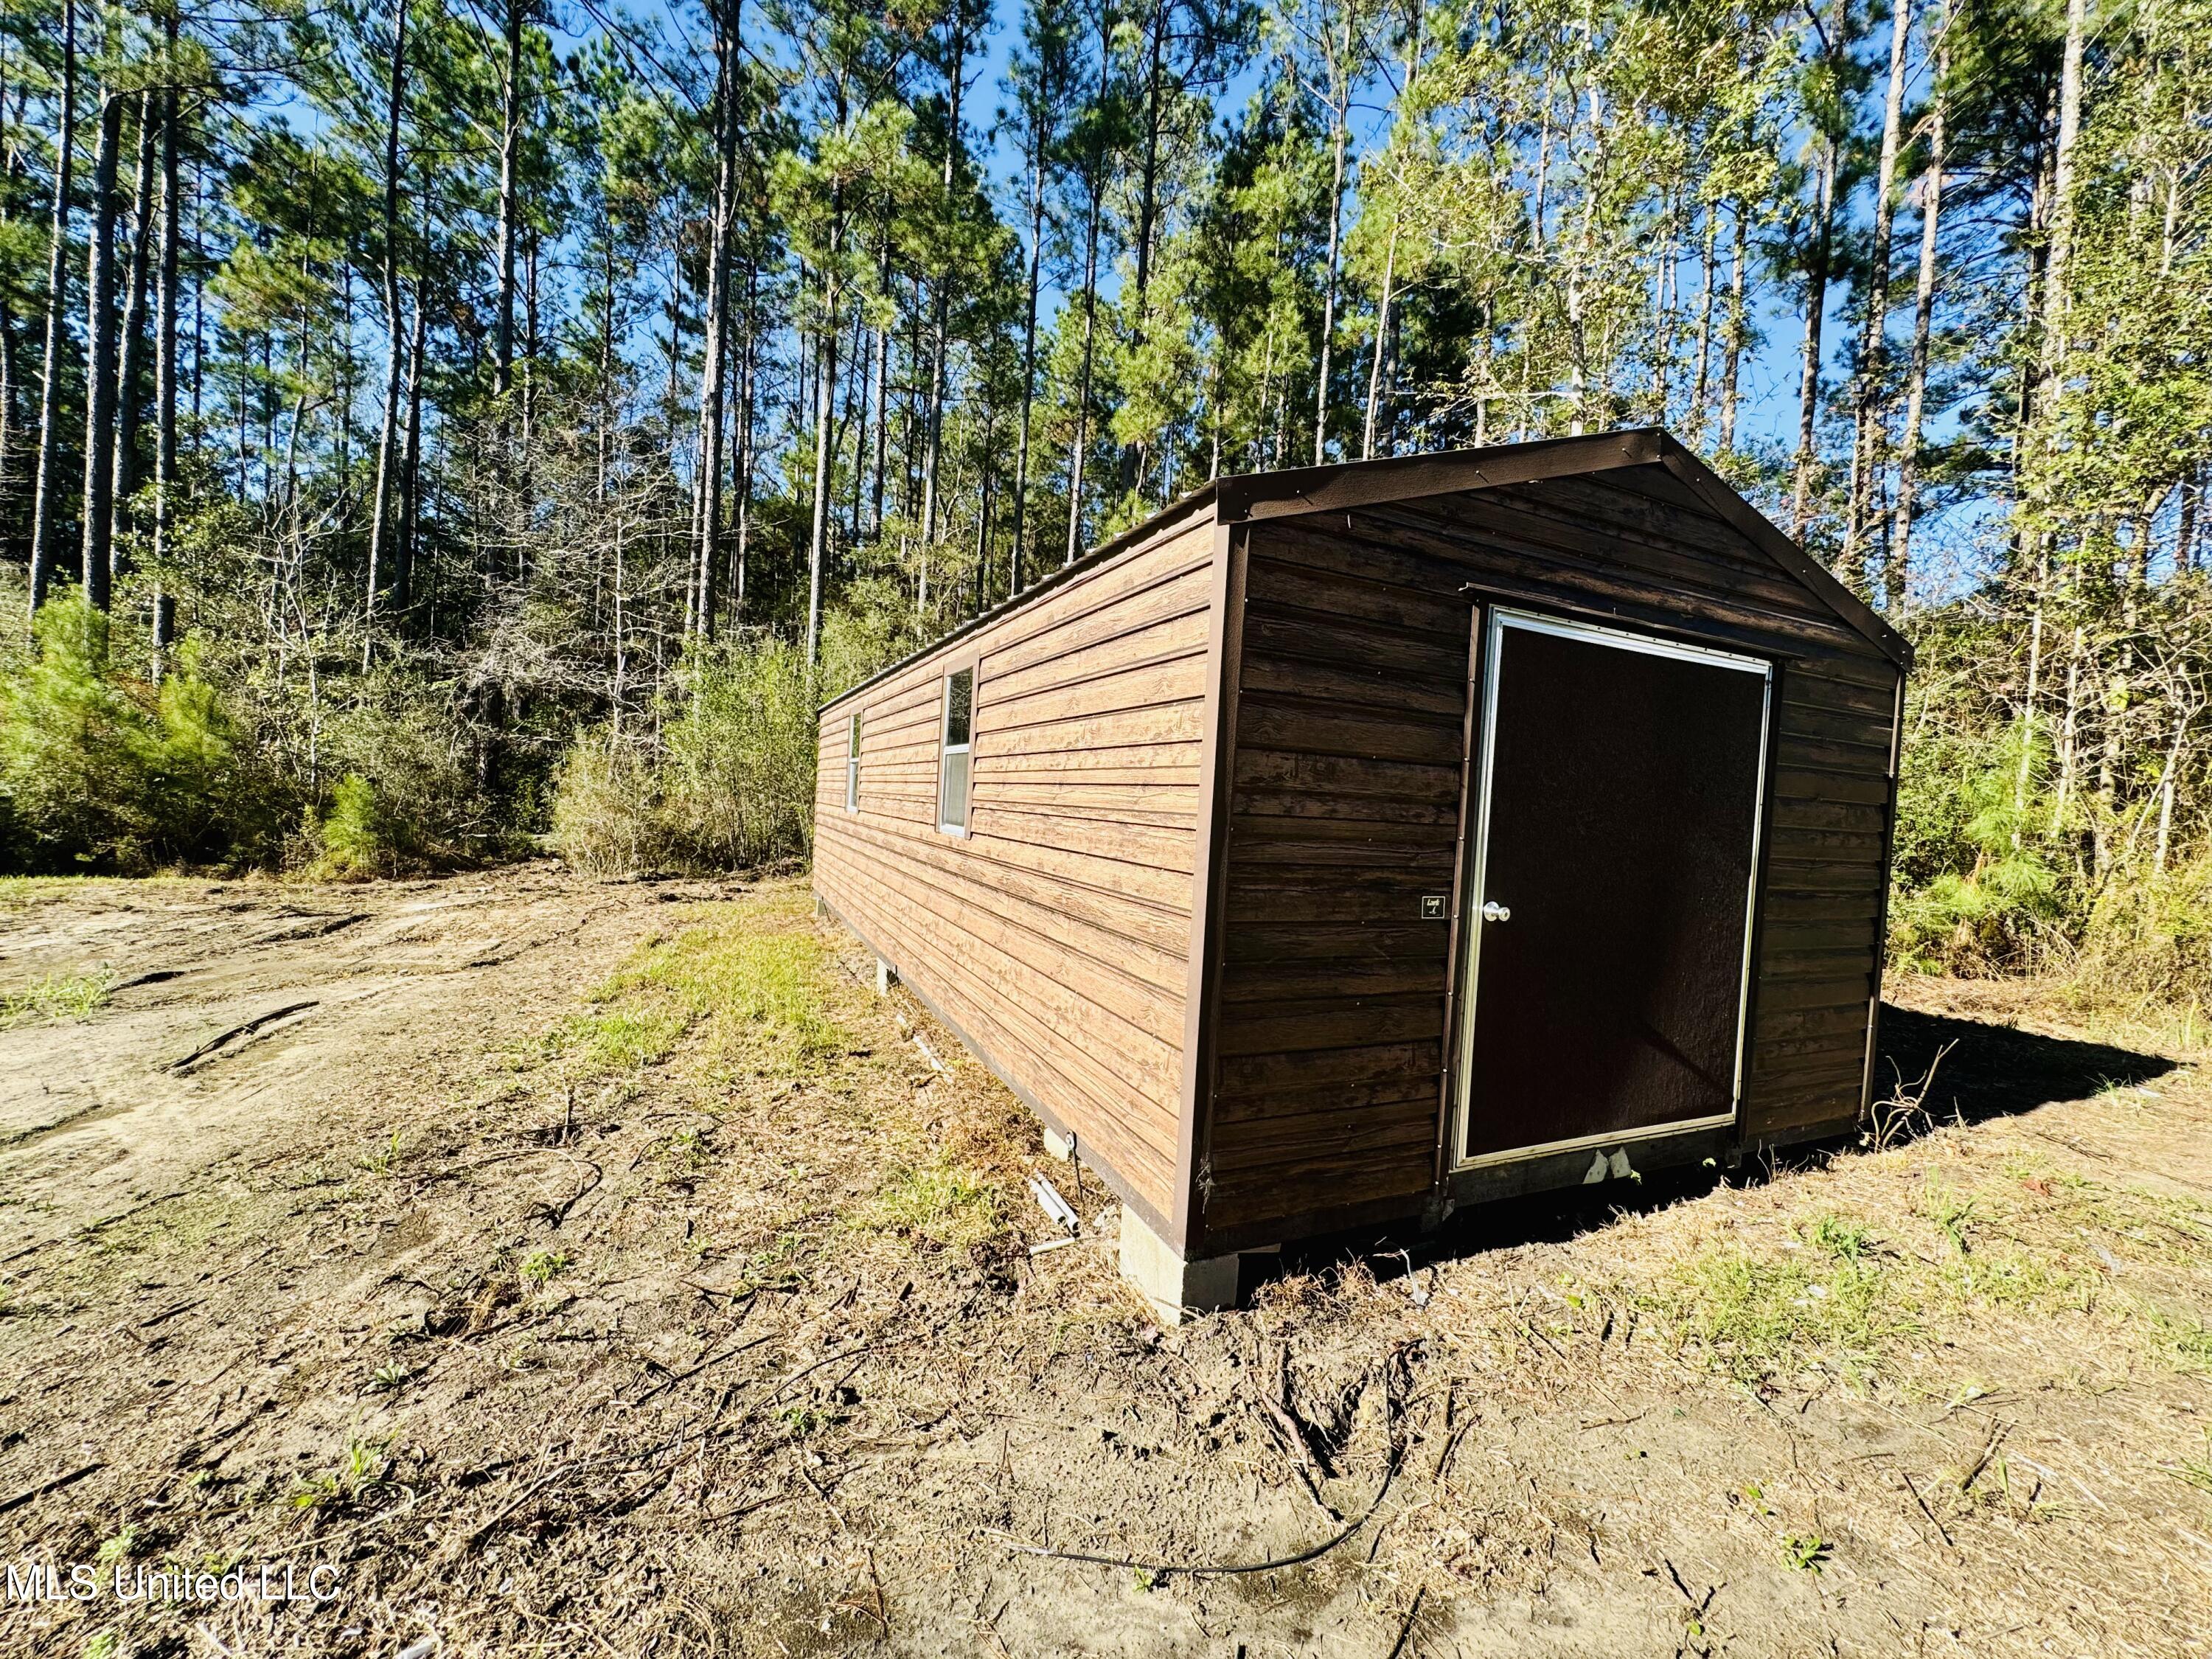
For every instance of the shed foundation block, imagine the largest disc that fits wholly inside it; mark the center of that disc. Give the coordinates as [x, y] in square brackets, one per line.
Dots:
[886, 976]
[1058, 1146]
[1176, 1288]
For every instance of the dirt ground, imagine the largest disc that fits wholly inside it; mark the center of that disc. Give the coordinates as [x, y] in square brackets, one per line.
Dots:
[567, 1268]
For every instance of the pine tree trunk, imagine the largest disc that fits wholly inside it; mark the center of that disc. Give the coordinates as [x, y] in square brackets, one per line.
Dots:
[2051, 363]
[510, 155]
[1029, 355]
[130, 365]
[1337, 140]
[379, 516]
[1148, 184]
[43, 529]
[1708, 268]
[1897, 569]
[165, 366]
[825, 391]
[2057, 299]
[1083, 383]
[707, 522]
[99, 326]
[1867, 406]
[942, 344]
[1734, 329]
[1381, 338]
[1808, 361]
[410, 460]
[747, 394]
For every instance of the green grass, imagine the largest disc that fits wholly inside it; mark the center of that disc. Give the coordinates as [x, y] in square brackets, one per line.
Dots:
[938, 1201]
[757, 988]
[605, 1040]
[58, 996]
[764, 989]
[1834, 1295]
[1755, 1316]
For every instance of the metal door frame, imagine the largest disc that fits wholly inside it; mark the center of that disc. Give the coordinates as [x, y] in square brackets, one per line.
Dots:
[1500, 618]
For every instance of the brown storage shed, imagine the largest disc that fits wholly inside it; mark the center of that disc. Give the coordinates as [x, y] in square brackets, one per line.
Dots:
[1347, 843]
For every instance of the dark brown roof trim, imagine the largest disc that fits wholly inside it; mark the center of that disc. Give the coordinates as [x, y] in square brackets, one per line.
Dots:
[1347, 484]
[1368, 484]
[1404, 477]
[1715, 491]
[1200, 497]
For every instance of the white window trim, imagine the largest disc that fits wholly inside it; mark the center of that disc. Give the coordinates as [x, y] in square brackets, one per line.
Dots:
[946, 749]
[853, 762]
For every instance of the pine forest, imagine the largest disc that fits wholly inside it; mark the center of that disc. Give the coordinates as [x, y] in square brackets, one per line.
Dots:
[435, 429]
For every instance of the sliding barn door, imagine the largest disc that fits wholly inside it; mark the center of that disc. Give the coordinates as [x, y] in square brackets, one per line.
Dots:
[1609, 913]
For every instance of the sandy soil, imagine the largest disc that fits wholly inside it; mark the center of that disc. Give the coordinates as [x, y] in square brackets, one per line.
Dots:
[570, 1268]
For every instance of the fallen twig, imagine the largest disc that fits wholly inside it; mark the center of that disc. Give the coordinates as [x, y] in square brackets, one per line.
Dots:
[54, 1484]
[1406, 1630]
[1940, 1529]
[1231, 1570]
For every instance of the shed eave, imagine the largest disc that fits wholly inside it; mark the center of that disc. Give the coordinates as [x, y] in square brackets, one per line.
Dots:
[1203, 498]
[1349, 484]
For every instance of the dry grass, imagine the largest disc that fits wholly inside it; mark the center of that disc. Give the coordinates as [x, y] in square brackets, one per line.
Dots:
[708, 1325]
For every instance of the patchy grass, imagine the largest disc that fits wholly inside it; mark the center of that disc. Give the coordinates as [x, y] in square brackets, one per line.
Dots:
[939, 1201]
[58, 996]
[1757, 1315]
[750, 982]
[1827, 1292]
[765, 990]
[602, 1040]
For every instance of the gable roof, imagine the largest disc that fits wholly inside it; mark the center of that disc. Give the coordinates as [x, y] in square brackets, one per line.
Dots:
[1360, 484]
[1244, 498]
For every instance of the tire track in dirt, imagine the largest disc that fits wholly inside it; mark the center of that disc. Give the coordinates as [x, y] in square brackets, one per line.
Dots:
[240, 1012]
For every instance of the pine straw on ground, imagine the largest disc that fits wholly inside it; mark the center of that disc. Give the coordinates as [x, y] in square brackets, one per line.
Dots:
[709, 1324]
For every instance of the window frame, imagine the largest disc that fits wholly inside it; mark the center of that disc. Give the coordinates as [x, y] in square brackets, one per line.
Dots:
[852, 732]
[946, 747]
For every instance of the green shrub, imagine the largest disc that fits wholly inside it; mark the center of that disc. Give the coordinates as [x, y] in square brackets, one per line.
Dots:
[730, 784]
[609, 815]
[102, 771]
[355, 836]
[1977, 889]
[399, 741]
[741, 755]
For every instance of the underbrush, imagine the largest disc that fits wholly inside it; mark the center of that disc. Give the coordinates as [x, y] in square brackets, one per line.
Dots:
[105, 769]
[724, 780]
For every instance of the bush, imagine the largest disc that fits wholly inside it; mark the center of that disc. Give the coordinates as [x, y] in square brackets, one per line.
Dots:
[102, 770]
[741, 754]
[356, 836]
[1969, 899]
[730, 784]
[408, 797]
[609, 815]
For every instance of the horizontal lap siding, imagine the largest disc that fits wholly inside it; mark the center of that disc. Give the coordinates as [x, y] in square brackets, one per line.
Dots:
[1820, 940]
[1344, 810]
[1352, 692]
[1056, 934]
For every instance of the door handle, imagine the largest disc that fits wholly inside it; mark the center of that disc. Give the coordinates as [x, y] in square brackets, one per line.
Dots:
[1493, 911]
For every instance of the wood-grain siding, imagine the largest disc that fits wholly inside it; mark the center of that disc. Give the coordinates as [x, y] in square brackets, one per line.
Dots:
[1055, 935]
[1352, 694]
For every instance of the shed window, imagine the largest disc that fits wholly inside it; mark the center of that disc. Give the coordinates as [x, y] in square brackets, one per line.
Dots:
[952, 768]
[853, 763]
